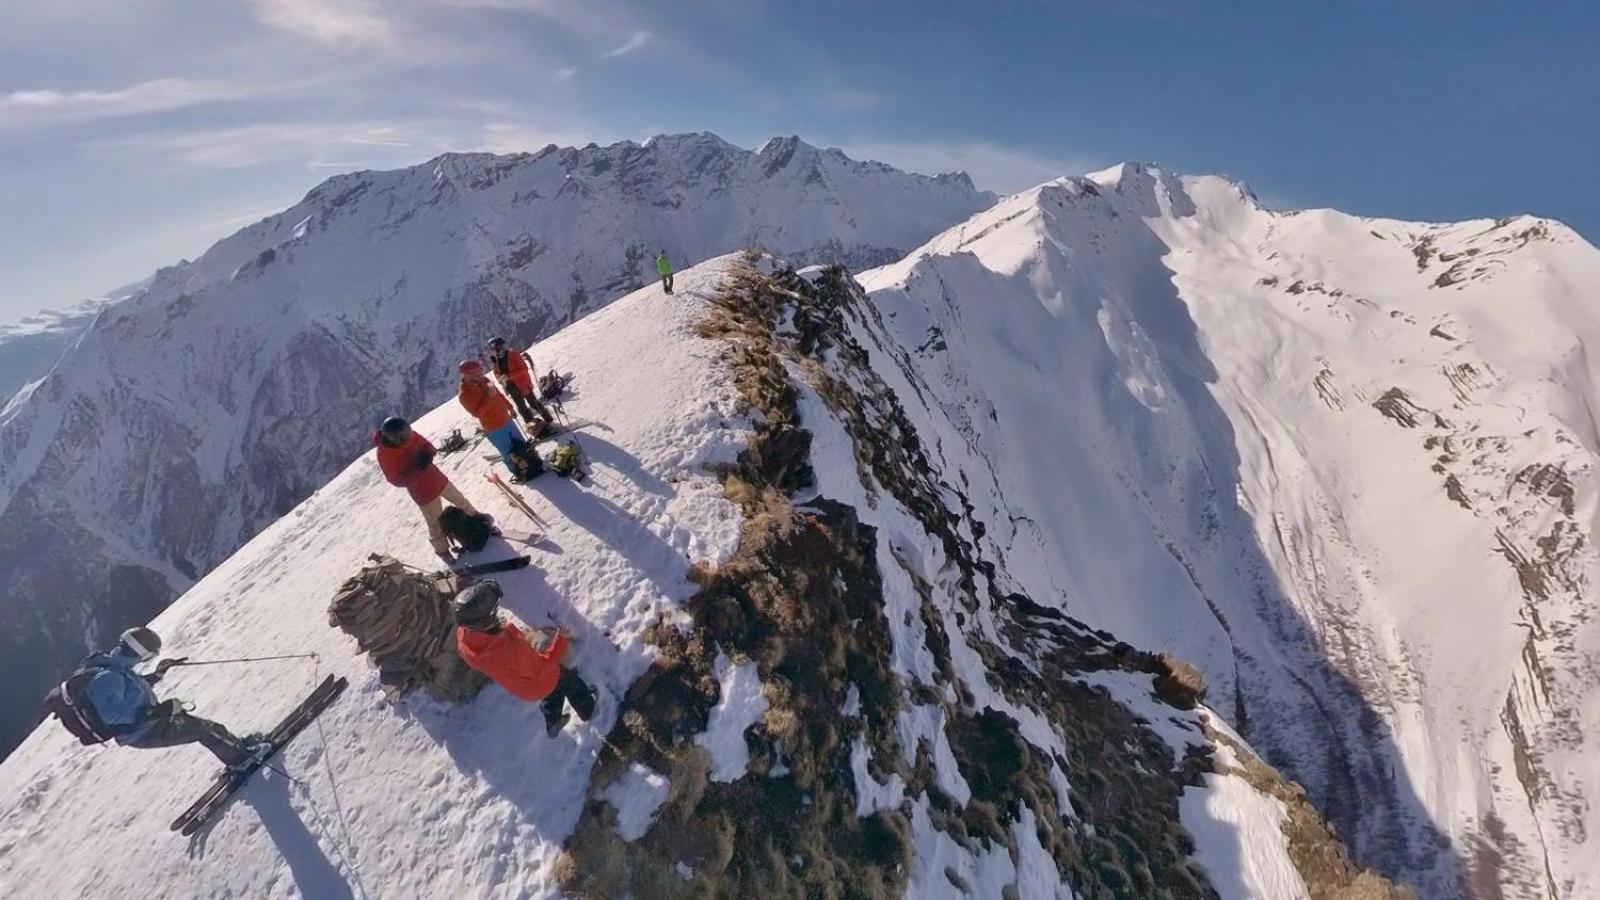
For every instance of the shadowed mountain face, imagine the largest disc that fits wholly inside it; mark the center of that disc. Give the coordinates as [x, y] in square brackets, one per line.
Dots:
[195, 413]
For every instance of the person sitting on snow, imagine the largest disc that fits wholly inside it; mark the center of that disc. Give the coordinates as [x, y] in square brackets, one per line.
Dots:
[505, 653]
[514, 370]
[493, 412]
[406, 459]
[126, 706]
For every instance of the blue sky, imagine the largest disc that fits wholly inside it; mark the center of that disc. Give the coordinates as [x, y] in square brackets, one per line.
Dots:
[136, 132]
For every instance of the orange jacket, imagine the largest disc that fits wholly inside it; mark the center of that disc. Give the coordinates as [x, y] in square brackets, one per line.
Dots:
[508, 658]
[512, 366]
[487, 405]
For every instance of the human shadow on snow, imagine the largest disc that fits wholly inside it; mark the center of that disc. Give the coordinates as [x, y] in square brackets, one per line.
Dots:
[315, 875]
[602, 452]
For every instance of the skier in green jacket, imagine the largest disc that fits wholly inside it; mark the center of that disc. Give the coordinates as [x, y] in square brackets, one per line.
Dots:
[664, 266]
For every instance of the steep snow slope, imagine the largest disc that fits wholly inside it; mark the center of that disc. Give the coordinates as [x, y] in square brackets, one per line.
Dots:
[1345, 465]
[878, 715]
[193, 415]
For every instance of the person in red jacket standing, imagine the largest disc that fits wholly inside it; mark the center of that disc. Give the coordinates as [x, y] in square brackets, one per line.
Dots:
[514, 370]
[406, 459]
[506, 654]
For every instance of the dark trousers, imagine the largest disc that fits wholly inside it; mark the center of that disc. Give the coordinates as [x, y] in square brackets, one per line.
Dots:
[527, 404]
[169, 726]
[666, 282]
[570, 689]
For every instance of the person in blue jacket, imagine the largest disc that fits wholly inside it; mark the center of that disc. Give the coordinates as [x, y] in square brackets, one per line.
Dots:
[127, 705]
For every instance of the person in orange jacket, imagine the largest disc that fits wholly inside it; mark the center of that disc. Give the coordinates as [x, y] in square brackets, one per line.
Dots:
[406, 459]
[506, 654]
[493, 413]
[514, 370]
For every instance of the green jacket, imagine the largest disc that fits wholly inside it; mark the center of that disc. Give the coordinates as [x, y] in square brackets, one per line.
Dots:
[663, 265]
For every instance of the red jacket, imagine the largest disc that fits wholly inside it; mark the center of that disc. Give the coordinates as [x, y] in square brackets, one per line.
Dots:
[487, 405]
[508, 658]
[410, 466]
[513, 366]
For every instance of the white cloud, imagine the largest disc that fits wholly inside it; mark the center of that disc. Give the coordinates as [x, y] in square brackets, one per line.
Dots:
[353, 145]
[337, 22]
[992, 166]
[634, 42]
[32, 107]
[566, 72]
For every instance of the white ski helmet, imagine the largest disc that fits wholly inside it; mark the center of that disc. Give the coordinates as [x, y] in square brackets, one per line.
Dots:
[142, 642]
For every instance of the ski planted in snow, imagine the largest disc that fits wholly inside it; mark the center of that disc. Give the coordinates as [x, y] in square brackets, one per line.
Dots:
[211, 802]
[502, 565]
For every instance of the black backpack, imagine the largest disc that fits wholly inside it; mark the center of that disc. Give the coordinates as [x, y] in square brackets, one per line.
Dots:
[526, 456]
[69, 702]
[469, 532]
[551, 385]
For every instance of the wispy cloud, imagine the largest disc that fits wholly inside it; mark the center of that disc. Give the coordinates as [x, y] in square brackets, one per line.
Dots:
[31, 107]
[635, 41]
[354, 145]
[566, 72]
[342, 23]
[992, 166]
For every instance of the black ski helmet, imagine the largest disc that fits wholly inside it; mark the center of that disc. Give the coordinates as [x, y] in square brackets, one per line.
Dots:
[142, 642]
[478, 606]
[497, 344]
[396, 430]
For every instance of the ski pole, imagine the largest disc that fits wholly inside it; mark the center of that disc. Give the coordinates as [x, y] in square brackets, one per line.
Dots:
[218, 662]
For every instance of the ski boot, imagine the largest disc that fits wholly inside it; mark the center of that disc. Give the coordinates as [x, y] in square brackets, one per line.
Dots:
[257, 748]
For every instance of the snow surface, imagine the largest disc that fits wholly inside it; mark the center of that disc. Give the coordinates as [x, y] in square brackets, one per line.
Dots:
[637, 795]
[741, 705]
[1239, 840]
[409, 799]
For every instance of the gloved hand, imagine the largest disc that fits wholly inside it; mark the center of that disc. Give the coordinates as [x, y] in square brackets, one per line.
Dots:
[165, 664]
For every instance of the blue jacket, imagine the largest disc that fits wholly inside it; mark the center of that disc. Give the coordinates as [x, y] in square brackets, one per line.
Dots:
[119, 694]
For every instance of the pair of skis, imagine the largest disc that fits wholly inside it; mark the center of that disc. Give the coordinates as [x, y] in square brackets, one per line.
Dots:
[519, 503]
[231, 780]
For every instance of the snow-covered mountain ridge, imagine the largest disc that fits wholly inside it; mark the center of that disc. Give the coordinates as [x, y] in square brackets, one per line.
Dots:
[816, 676]
[31, 345]
[199, 411]
[1344, 465]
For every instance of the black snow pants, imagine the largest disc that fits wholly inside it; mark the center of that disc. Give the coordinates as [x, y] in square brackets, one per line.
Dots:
[167, 725]
[570, 689]
[527, 404]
